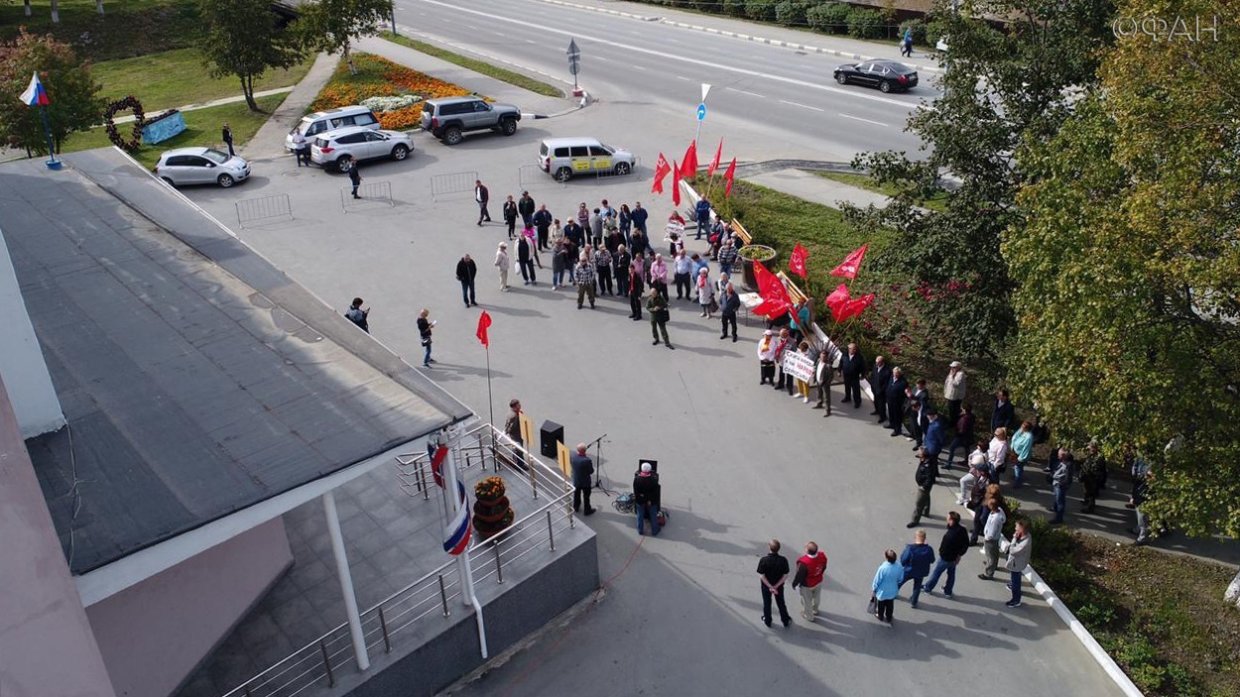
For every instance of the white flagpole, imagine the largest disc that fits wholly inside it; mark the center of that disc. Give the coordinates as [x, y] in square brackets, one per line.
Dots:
[468, 596]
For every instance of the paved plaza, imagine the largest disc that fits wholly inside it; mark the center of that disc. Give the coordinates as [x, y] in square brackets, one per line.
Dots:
[740, 463]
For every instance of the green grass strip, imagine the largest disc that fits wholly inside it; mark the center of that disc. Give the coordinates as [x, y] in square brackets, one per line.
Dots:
[482, 67]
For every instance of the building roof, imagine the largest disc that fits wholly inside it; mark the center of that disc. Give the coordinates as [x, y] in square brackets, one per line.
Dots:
[196, 378]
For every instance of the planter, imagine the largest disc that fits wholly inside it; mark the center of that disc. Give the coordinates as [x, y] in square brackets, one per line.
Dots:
[748, 255]
[492, 512]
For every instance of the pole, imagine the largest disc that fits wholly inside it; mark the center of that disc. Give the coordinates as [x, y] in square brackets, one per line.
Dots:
[468, 596]
[346, 581]
[490, 399]
[47, 132]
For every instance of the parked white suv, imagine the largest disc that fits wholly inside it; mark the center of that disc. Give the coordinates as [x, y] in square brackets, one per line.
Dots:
[320, 122]
[334, 148]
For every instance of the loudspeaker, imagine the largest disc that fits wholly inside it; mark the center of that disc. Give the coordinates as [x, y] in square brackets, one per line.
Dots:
[550, 434]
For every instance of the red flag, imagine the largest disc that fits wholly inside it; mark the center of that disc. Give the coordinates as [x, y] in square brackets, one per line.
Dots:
[728, 176]
[714, 164]
[661, 169]
[848, 268]
[853, 307]
[838, 297]
[675, 184]
[484, 321]
[775, 299]
[688, 166]
[796, 263]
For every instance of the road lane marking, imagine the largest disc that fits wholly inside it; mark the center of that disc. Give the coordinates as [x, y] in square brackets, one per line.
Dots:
[751, 94]
[682, 77]
[803, 106]
[858, 118]
[684, 59]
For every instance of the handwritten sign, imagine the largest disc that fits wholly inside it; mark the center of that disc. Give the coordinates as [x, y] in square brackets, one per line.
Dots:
[798, 365]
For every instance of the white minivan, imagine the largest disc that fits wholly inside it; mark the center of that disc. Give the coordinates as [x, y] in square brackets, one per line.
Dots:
[564, 157]
[312, 125]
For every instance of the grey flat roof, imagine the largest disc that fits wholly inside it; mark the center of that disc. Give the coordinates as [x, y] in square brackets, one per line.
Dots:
[196, 378]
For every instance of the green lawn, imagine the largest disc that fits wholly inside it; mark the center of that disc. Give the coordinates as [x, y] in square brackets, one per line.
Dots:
[937, 202]
[175, 78]
[202, 128]
[129, 28]
[478, 66]
[781, 221]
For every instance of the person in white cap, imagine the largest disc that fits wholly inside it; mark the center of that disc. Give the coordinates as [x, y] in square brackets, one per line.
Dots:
[646, 494]
[768, 346]
[977, 470]
[706, 293]
[953, 390]
[501, 262]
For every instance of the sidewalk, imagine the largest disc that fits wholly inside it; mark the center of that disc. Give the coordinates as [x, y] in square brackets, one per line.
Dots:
[795, 39]
[269, 141]
[1111, 520]
[215, 102]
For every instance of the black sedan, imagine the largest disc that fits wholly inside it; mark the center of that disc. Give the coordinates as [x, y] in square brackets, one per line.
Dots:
[888, 76]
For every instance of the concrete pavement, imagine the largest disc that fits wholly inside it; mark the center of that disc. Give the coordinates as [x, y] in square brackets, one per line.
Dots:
[740, 463]
[269, 140]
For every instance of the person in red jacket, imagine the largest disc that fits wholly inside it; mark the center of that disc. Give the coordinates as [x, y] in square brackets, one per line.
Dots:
[811, 568]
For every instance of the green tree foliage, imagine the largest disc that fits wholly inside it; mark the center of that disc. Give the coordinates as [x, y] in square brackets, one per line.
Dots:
[1127, 265]
[244, 38]
[333, 25]
[1000, 87]
[75, 101]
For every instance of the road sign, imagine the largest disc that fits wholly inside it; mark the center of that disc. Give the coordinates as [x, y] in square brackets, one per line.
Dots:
[705, 91]
[574, 57]
[701, 112]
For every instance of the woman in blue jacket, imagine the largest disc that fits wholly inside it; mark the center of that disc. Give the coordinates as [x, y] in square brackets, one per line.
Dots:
[886, 586]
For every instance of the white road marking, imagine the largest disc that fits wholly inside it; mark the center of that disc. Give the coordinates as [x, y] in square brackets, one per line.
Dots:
[682, 77]
[858, 118]
[803, 106]
[751, 94]
[602, 40]
[531, 41]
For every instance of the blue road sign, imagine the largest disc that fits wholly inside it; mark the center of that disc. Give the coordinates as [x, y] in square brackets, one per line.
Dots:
[701, 112]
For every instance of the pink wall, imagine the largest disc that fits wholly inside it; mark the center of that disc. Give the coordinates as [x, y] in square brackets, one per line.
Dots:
[152, 635]
[46, 646]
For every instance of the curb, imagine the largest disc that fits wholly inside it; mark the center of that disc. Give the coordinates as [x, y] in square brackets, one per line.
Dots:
[736, 35]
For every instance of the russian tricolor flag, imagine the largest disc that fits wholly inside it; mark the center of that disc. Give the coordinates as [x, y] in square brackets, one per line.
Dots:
[36, 93]
[456, 535]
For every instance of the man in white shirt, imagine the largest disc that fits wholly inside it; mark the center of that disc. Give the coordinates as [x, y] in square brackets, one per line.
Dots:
[992, 533]
[301, 149]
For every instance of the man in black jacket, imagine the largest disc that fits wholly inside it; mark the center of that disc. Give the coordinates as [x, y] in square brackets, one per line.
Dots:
[895, 401]
[466, 271]
[525, 206]
[953, 547]
[526, 261]
[510, 216]
[542, 223]
[1004, 414]
[481, 196]
[574, 233]
[925, 476]
[583, 467]
[728, 305]
[880, 380]
[852, 366]
[646, 497]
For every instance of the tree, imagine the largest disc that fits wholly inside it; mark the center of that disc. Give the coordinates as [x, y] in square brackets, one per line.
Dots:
[1127, 267]
[1001, 86]
[75, 102]
[332, 25]
[244, 38]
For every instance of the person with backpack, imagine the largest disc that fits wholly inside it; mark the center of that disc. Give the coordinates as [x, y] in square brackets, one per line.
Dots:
[358, 314]
[925, 475]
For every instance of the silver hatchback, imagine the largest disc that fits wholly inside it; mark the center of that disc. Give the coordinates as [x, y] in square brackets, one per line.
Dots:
[201, 166]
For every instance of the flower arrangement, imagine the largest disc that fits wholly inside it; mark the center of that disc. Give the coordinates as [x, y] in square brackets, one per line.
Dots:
[491, 488]
[756, 252]
[386, 104]
[380, 78]
[135, 140]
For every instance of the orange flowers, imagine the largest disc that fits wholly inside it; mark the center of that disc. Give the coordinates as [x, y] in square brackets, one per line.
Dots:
[379, 77]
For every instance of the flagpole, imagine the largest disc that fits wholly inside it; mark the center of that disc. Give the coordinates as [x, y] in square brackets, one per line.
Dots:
[468, 596]
[490, 399]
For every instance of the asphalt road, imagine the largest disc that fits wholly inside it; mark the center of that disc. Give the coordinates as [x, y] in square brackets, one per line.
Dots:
[658, 68]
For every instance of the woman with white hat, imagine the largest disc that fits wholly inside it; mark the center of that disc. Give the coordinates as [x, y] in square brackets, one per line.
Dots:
[706, 293]
[501, 262]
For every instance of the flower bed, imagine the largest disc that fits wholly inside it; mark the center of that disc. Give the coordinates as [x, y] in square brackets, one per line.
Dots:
[379, 77]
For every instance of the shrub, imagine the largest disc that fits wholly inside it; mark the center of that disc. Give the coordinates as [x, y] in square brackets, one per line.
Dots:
[760, 10]
[865, 24]
[734, 8]
[934, 32]
[791, 13]
[830, 17]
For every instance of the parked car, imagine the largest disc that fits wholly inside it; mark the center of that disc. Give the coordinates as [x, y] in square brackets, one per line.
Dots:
[334, 148]
[887, 76]
[564, 157]
[449, 118]
[312, 125]
[201, 166]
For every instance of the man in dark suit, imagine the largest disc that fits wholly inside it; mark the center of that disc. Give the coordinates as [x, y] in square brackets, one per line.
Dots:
[481, 196]
[895, 401]
[525, 206]
[1004, 414]
[880, 380]
[852, 366]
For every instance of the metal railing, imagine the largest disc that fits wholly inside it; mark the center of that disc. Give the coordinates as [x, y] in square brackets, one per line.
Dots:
[435, 595]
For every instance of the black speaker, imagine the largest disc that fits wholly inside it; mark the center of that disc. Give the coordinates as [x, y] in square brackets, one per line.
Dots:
[550, 434]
